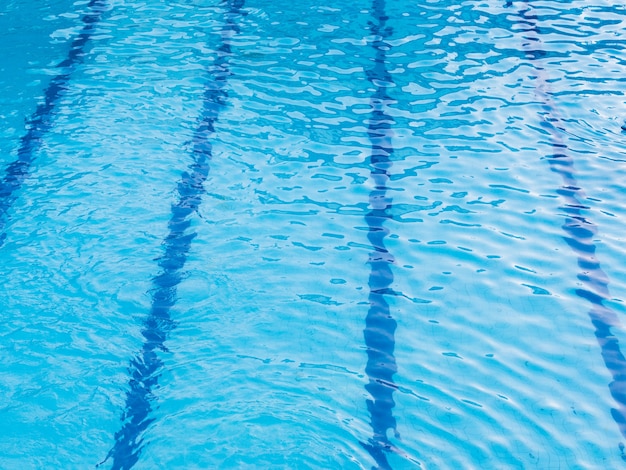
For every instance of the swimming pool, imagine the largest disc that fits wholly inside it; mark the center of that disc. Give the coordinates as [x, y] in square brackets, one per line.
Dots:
[293, 235]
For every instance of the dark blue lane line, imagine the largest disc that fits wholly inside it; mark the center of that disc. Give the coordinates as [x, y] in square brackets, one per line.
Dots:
[146, 366]
[580, 232]
[380, 326]
[41, 120]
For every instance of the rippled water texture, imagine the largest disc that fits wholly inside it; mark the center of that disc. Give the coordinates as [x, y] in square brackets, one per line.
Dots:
[355, 235]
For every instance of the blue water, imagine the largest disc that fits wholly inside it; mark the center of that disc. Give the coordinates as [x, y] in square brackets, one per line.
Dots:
[361, 235]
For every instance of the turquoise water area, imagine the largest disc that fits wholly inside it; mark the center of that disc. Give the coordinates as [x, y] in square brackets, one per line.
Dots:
[354, 235]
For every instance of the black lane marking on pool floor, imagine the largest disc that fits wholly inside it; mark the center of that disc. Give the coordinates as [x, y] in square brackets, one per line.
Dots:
[579, 231]
[380, 326]
[41, 120]
[145, 367]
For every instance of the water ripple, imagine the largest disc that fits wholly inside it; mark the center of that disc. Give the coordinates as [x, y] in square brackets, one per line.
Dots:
[495, 363]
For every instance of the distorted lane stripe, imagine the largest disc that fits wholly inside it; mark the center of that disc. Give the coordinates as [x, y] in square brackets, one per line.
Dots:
[580, 230]
[380, 326]
[146, 366]
[42, 119]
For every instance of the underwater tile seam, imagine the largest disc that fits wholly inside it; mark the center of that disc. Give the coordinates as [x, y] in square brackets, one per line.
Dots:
[579, 230]
[145, 366]
[41, 121]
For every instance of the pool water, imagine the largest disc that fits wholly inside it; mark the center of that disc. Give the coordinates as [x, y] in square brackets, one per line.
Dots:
[355, 235]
